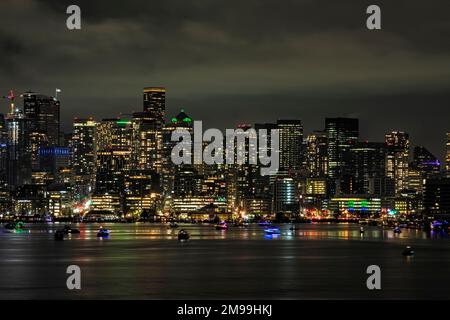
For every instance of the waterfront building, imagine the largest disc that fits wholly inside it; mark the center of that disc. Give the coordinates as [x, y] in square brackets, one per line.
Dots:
[190, 207]
[106, 203]
[437, 197]
[285, 195]
[350, 206]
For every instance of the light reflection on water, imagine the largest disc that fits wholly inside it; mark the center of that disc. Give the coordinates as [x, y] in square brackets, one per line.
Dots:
[153, 231]
[146, 260]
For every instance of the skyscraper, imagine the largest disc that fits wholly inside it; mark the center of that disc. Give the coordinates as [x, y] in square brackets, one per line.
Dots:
[84, 153]
[181, 121]
[285, 195]
[44, 114]
[316, 154]
[291, 139]
[240, 178]
[447, 158]
[263, 185]
[155, 102]
[368, 161]
[111, 167]
[437, 196]
[53, 159]
[147, 142]
[426, 163]
[3, 152]
[397, 159]
[19, 153]
[342, 134]
[114, 134]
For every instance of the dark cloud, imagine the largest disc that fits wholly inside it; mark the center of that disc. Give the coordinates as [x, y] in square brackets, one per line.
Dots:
[232, 61]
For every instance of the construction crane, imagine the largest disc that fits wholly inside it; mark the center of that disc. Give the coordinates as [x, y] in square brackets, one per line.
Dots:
[11, 97]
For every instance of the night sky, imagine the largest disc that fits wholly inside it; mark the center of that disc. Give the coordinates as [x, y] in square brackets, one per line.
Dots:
[228, 62]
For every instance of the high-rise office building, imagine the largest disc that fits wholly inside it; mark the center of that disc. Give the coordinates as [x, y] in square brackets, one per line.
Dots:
[437, 196]
[155, 102]
[147, 142]
[285, 195]
[44, 114]
[316, 154]
[368, 161]
[53, 159]
[115, 134]
[447, 157]
[114, 147]
[397, 159]
[3, 152]
[181, 121]
[290, 143]
[263, 185]
[342, 134]
[111, 167]
[141, 191]
[426, 163]
[240, 177]
[84, 154]
[104, 133]
[19, 153]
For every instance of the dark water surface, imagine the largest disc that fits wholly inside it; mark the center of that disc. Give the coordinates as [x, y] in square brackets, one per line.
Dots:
[145, 261]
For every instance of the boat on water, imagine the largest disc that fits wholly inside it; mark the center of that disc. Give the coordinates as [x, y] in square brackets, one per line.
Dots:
[173, 225]
[439, 226]
[14, 226]
[397, 230]
[68, 229]
[59, 235]
[103, 233]
[265, 223]
[10, 226]
[183, 235]
[241, 224]
[271, 231]
[222, 226]
[408, 252]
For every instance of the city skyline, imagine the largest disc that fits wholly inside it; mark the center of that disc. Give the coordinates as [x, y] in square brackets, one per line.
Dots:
[134, 167]
[67, 127]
